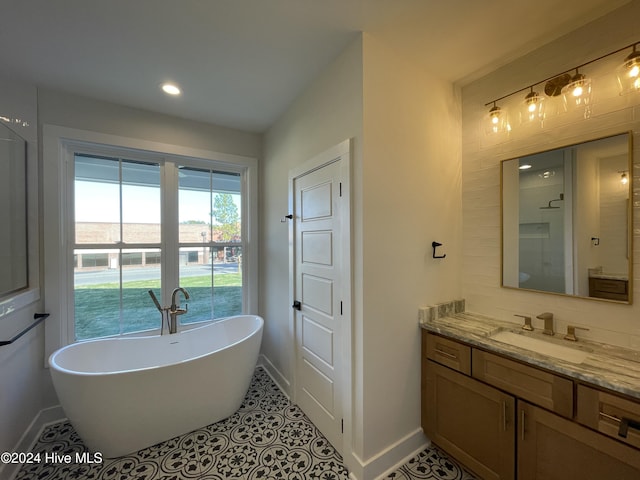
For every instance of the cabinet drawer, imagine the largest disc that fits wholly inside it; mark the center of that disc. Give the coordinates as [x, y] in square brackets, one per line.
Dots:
[606, 412]
[448, 353]
[611, 289]
[610, 286]
[542, 388]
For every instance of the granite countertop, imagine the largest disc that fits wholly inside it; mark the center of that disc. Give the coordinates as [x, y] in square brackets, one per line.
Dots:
[611, 367]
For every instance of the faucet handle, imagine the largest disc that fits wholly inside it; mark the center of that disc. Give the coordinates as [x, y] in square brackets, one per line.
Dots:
[527, 322]
[571, 332]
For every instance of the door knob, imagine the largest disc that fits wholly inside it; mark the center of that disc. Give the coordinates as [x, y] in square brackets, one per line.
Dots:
[297, 305]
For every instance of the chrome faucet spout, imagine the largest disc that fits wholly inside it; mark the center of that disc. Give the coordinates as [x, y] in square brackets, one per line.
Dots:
[173, 296]
[174, 311]
[548, 322]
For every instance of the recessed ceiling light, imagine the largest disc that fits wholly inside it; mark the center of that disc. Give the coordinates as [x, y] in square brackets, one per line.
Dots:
[171, 89]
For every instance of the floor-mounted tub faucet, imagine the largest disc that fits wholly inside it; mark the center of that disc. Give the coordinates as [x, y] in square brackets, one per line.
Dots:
[174, 311]
[548, 322]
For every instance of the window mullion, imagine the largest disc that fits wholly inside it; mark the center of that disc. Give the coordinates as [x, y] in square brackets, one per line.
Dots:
[121, 228]
[170, 248]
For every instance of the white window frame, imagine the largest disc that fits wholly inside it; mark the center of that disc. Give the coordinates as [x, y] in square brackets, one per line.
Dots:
[59, 147]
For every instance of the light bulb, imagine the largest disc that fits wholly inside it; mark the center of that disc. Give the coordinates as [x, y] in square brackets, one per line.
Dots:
[629, 73]
[577, 91]
[494, 114]
[171, 89]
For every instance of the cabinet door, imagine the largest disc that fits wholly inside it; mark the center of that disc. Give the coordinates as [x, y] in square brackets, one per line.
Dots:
[553, 448]
[471, 421]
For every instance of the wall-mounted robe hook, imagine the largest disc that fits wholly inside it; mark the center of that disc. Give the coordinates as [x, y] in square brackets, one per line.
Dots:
[285, 218]
[595, 241]
[436, 245]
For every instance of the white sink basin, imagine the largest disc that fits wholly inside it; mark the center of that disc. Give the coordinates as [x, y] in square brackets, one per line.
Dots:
[540, 346]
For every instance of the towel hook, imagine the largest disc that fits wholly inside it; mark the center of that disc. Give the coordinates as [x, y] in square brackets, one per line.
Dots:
[436, 245]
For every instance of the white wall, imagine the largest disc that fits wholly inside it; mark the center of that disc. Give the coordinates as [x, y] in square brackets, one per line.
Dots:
[411, 197]
[481, 158]
[326, 113]
[67, 110]
[406, 194]
[613, 207]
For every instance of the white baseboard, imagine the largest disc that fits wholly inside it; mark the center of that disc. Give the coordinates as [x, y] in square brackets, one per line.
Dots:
[275, 375]
[389, 459]
[44, 417]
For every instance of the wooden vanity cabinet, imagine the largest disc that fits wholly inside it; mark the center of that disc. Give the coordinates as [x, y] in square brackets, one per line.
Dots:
[517, 421]
[550, 447]
[470, 420]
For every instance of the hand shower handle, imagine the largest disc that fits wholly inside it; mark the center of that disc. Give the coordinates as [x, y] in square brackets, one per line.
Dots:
[155, 300]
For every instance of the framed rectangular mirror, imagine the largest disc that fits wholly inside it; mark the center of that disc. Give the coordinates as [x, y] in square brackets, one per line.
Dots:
[567, 220]
[14, 271]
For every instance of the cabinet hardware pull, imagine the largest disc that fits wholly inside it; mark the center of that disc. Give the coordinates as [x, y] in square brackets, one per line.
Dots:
[609, 417]
[625, 423]
[446, 354]
[522, 425]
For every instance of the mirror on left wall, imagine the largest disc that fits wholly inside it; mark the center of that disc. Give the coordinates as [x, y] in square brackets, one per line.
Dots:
[14, 269]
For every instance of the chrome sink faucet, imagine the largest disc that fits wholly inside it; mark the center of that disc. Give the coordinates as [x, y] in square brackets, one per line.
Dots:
[174, 311]
[548, 322]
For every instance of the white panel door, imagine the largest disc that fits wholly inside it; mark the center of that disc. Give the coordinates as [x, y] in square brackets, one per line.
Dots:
[317, 286]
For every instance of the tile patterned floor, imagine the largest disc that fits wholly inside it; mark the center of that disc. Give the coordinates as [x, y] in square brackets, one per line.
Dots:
[268, 438]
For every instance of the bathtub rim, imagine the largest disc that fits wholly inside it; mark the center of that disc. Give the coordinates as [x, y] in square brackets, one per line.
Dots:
[54, 366]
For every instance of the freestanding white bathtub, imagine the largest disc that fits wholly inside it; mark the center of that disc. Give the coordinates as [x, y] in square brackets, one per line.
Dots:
[125, 394]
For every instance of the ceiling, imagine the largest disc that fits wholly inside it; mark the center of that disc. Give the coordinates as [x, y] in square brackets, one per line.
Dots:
[241, 63]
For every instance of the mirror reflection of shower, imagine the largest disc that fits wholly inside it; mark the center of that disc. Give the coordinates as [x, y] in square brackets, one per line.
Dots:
[551, 207]
[567, 223]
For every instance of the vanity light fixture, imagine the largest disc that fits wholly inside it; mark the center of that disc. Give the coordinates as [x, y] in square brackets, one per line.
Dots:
[577, 93]
[171, 89]
[629, 73]
[497, 120]
[576, 89]
[533, 107]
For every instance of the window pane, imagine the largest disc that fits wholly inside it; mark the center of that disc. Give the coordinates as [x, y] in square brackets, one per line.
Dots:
[97, 200]
[215, 287]
[100, 184]
[140, 202]
[96, 294]
[209, 206]
[138, 310]
[111, 292]
[194, 200]
[226, 218]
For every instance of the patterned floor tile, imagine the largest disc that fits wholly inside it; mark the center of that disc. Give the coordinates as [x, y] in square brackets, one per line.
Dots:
[431, 464]
[267, 438]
